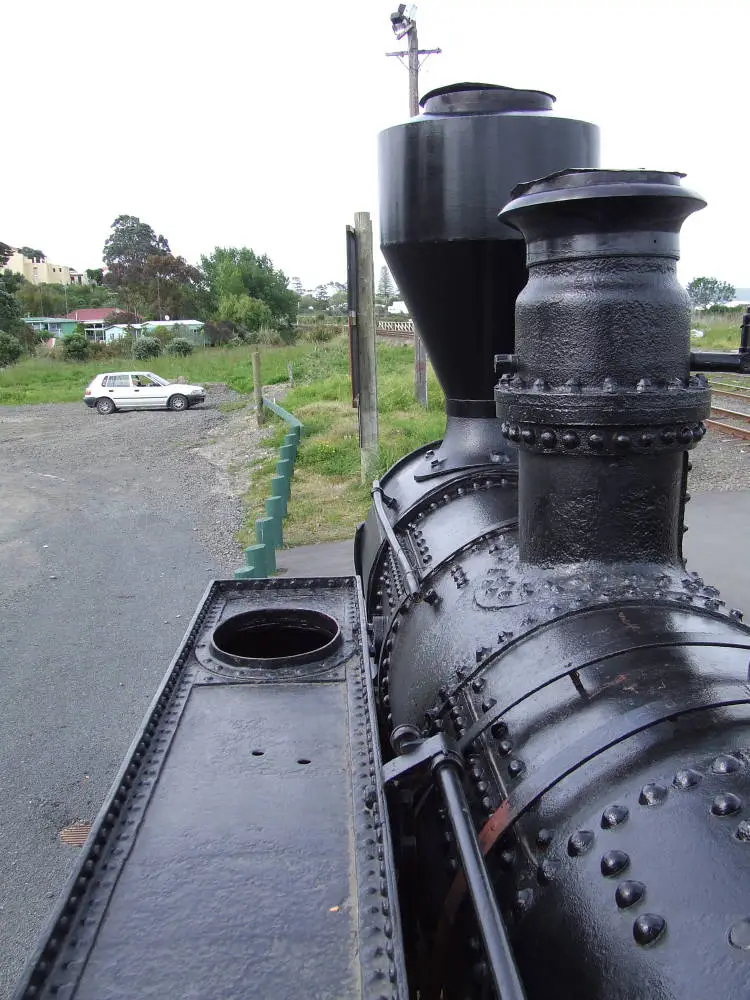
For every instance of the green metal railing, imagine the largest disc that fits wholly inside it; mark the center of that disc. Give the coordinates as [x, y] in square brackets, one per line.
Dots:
[260, 559]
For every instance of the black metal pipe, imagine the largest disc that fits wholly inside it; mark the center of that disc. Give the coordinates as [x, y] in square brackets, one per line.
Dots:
[410, 576]
[496, 944]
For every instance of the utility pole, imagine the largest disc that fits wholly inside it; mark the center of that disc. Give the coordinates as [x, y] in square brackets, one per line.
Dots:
[403, 23]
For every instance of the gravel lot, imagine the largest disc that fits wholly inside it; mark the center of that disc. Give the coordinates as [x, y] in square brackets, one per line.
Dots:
[110, 529]
[720, 462]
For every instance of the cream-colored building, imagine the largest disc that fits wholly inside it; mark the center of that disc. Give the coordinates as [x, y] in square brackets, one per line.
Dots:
[41, 272]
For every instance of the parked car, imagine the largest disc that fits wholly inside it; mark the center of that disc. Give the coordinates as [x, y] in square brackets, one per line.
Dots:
[140, 391]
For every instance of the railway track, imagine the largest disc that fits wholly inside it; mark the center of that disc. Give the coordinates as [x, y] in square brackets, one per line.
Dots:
[733, 422]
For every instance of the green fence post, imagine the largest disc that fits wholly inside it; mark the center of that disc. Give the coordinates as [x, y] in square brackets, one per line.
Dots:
[274, 510]
[264, 530]
[285, 468]
[255, 558]
[280, 489]
[287, 453]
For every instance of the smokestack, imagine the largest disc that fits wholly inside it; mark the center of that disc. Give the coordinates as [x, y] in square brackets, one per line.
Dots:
[602, 403]
[443, 176]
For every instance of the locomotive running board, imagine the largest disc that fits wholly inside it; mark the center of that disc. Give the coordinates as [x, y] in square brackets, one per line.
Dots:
[244, 848]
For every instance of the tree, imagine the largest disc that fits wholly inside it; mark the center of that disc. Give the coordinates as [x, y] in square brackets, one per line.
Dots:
[11, 349]
[249, 313]
[6, 252]
[162, 285]
[43, 300]
[95, 275]
[296, 285]
[76, 347]
[32, 254]
[145, 348]
[10, 311]
[120, 318]
[180, 347]
[386, 286]
[705, 292]
[132, 242]
[240, 271]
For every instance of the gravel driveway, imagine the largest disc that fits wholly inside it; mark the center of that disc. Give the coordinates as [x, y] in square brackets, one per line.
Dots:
[110, 529]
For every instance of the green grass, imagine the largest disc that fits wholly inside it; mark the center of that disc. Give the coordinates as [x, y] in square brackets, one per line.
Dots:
[328, 499]
[48, 380]
[721, 332]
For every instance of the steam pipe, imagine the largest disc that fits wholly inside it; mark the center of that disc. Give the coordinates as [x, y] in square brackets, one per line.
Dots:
[401, 557]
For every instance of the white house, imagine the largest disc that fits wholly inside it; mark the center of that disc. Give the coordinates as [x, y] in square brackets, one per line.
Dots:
[189, 329]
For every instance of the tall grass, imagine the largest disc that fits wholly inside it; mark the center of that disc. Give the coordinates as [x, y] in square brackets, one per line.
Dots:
[328, 498]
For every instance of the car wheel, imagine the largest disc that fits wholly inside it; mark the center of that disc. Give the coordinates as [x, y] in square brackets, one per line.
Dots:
[178, 402]
[105, 405]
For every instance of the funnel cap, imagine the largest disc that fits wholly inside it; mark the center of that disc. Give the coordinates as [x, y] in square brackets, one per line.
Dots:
[484, 98]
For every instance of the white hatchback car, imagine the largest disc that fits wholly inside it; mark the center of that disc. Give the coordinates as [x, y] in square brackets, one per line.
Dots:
[140, 391]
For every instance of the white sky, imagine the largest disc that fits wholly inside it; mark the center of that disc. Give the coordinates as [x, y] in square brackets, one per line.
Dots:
[246, 123]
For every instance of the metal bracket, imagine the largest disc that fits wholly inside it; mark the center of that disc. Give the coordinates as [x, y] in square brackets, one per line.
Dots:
[420, 757]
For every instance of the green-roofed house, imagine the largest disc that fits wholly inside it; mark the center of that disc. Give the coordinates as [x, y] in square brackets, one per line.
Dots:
[54, 326]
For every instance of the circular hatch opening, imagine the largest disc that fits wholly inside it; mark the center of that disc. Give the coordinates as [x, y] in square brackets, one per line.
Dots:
[276, 637]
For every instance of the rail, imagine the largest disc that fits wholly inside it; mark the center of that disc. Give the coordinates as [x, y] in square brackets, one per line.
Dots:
[260, 558]
[403, 561]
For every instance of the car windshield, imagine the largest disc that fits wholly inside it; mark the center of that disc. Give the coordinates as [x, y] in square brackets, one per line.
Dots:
[159, 381]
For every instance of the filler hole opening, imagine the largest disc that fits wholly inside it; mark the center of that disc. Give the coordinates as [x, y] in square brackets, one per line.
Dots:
[276, 637]
[258, 753]
[302, 760]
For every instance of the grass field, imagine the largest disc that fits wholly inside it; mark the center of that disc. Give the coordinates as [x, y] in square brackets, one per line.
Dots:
[45, 380]
[328, 498]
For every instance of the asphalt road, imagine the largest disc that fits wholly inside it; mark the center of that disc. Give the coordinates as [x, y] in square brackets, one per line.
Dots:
[104, 556]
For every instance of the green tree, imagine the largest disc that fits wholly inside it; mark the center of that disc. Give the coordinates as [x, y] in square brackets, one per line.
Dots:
[706, 292]
[249, 313]
[296, 285]
[10, 311]
[146, 348]
[240, 271]
[95, 275]
[31, 254]
[162, 285]
[132, 242]
[386, 286]
[180, 347]
[43, 300]
[118, 317]
[76, 347]
[11, 349]
[6, 252]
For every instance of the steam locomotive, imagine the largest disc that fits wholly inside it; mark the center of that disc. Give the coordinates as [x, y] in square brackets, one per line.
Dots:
[511, 757]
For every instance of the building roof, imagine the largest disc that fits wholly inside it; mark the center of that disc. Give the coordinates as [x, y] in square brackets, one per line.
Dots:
[46, 319]
[93, 315]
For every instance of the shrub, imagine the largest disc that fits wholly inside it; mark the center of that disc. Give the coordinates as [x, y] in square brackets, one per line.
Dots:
[164, 334]
[76, 347]
[180, 346]
[319, 334]
[10, 349]
[145, 348]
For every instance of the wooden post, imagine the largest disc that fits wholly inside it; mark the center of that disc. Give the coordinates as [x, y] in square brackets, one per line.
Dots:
[367, 412]
[258, 389]
[420, 355]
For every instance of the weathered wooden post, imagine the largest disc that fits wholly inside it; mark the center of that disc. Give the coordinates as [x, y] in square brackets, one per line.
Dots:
[258, 389]
[367, 413]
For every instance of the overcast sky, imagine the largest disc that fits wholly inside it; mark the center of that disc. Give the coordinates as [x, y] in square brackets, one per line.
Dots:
[246, 123]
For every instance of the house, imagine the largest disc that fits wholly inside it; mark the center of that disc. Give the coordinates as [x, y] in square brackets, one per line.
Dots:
[39, 271]
[189, 329]
[93, 320]
[53, 326]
